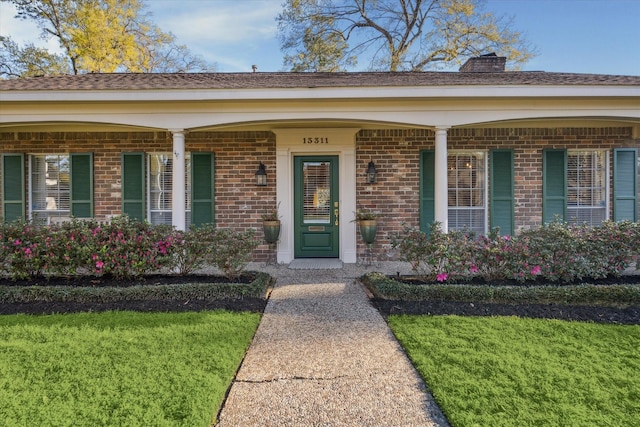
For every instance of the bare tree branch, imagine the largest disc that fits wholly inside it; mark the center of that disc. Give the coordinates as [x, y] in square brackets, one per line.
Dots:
[401, 34]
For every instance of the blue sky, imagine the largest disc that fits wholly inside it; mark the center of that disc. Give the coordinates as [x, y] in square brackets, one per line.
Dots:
[579, 36]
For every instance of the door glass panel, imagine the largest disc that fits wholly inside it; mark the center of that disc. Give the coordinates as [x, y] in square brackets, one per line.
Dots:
[317, 192]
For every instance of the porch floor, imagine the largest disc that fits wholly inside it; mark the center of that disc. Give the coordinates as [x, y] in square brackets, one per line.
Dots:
[315, 264]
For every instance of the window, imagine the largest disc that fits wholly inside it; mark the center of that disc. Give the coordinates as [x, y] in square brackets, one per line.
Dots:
[316, 187]
[466, 182]
[586, 187]
[575, 186]
[467, 196]
[159, 198]
[147, 187]
[49, 184]
[60, 186]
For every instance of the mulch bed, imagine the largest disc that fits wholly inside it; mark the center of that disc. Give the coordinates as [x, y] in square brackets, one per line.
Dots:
[628, 316]
[245, 304]
[599, 314]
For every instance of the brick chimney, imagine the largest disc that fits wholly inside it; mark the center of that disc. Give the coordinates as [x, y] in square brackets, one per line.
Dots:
[489, 63]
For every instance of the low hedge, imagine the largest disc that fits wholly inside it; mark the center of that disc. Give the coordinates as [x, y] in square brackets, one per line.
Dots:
[121, 247]
[385, 287]
[184, 291]
[555, 251]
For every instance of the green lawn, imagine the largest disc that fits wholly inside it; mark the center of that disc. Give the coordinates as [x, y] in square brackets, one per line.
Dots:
[507, 371]
[119, 368]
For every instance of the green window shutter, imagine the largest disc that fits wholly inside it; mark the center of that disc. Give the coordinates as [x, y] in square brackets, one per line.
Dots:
[13, 190]
[625, 184]
[133, 194]
[554, 185]
[81, 185]
[502, 194]
[427, 189]
[202, 189]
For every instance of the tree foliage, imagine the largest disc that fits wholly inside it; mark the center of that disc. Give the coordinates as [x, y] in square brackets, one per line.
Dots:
[29, 61]
[96, 36]
[314, 43]
[394, 35]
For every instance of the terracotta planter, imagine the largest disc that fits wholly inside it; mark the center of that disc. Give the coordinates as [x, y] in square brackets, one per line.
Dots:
[271, 231]
[368, 230]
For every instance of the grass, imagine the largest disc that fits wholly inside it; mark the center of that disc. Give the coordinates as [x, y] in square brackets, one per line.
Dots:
[508, 371]
[119, 368]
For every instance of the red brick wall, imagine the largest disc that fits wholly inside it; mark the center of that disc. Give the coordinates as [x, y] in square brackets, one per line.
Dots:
[239, 203]
[396, 154]
[106, 148]
[395, 195]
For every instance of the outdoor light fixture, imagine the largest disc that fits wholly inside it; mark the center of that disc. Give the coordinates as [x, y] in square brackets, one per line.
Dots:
[371, 173]
[261, 176]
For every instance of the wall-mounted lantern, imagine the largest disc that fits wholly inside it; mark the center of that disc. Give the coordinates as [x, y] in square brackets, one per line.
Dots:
[261, 176]
[372, 173]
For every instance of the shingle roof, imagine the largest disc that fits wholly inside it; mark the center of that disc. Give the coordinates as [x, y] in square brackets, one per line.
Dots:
[130, 81]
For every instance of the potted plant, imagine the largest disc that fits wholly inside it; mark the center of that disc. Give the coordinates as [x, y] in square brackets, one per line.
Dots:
[271, 225]
[368, 223]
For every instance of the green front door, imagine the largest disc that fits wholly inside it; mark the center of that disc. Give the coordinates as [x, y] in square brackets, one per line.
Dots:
[316, 207]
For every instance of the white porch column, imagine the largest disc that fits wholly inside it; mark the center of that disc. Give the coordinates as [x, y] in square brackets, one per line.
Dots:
[179, 186]
[440, 179]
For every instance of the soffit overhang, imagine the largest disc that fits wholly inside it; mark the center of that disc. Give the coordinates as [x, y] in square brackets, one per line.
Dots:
[367, 107]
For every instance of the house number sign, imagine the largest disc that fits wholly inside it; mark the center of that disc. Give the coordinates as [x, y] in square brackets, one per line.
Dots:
[315, 140]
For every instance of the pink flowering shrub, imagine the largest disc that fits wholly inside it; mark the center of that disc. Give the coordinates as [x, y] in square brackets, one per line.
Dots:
[555, 252]
[567, 252]
[67, 248]
[494, 256]
[20, 247]
[125, 248]
[121, 248]
[437, 255]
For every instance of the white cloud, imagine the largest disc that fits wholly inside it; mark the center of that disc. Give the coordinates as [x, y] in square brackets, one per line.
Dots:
[22, 31]
[233, 34]
[19, 30]
[220, 21]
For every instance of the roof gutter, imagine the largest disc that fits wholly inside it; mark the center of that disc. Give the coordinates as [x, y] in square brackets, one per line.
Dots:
[353, 93]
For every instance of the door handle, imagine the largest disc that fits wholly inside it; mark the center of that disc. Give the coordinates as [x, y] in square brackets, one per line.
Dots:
[336, 213]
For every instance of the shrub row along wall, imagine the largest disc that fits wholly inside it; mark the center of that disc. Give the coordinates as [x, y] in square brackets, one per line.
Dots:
[238, 202]
[121, 248]
[396, 153]
[556, 251]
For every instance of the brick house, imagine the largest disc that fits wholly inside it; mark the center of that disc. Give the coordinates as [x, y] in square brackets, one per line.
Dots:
[479, 148]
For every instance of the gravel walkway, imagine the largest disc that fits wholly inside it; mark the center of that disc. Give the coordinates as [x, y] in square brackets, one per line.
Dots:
[323, 356]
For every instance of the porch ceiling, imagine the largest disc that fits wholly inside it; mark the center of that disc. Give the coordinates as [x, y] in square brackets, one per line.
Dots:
[547, 122]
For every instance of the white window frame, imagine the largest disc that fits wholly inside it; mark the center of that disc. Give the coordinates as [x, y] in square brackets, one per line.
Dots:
[46, 215]
[484, 187]
[169, 212]
[606, 184]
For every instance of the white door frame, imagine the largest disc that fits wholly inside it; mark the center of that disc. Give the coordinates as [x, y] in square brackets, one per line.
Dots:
[307, 142]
